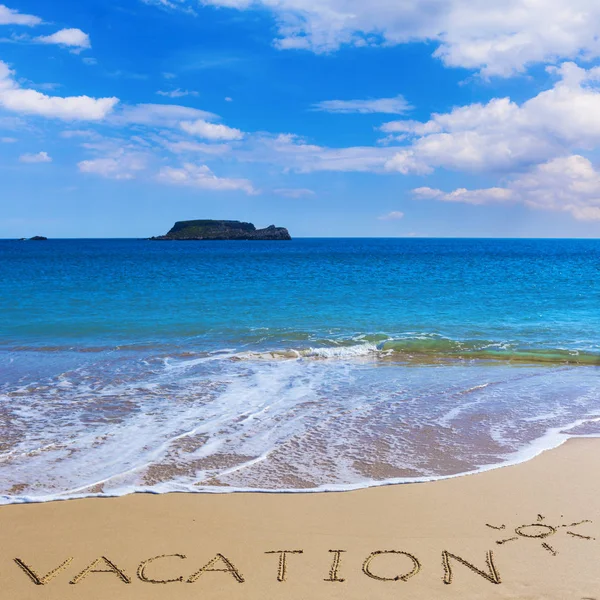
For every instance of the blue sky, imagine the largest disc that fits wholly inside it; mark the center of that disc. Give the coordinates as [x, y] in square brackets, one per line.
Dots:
[331, 117]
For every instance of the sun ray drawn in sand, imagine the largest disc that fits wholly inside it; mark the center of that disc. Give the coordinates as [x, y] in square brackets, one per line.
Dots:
[541, 531]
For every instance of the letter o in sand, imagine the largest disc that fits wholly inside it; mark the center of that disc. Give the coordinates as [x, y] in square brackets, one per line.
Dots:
[536, 530]
[367, 566]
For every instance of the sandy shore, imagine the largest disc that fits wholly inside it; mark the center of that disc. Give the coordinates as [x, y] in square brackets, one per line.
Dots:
[411, 541]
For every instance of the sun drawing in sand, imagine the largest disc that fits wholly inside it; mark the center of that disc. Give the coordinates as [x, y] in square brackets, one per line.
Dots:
[541, 531]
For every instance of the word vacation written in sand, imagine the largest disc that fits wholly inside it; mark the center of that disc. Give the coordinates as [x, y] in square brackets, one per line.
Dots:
[380, 565]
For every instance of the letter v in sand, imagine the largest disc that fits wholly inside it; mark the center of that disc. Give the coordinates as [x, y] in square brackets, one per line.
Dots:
[42, 580]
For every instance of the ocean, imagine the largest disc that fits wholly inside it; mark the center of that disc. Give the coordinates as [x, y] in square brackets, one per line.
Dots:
[310, 365]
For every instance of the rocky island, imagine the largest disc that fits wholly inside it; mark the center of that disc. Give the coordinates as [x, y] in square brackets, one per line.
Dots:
[222, 230]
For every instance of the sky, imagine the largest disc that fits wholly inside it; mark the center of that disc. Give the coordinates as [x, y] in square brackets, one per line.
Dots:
[333, 118]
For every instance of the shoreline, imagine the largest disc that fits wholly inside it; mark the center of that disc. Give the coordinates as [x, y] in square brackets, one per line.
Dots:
[424, 535]
[523, 456]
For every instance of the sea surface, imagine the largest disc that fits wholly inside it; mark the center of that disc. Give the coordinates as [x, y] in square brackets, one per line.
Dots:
[311, 365]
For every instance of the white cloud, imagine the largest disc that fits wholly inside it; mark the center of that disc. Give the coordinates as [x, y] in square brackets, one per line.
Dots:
[159, 115]
[394, 106]
[72, 108]
[8, 140]
[46, 87]
[122, 74]
[31, 102]
[183, 147]
[295, 193]
[211, 131]
[292, 152]
[178, 93]
[12, 123]
[482, 196]
[171, 5]
[40, 157]
[122, 166]
[569, 184]
[200, 176]
[77, 133]
[407, 162]
[9, 16]
[498, 38]
[395, 215]
[503, 135]
[182, 118]
[72, 38]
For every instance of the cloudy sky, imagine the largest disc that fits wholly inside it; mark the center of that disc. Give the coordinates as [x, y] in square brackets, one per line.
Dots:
[331, 117]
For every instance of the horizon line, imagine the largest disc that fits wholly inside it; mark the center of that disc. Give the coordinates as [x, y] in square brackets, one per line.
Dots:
[308, 237]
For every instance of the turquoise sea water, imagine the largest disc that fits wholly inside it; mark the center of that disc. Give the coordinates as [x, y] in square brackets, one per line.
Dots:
[313, 364]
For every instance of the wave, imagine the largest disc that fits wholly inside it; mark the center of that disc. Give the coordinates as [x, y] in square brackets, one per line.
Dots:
[282, 345]
[433, 349]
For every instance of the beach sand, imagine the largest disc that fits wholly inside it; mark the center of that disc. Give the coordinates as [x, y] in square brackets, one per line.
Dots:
[425, 524]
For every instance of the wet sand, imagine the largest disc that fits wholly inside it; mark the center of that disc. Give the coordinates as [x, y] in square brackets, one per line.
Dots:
[419, 541]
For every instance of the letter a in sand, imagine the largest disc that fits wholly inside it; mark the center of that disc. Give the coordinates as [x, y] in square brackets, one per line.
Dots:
[112, 568]
[209, 568]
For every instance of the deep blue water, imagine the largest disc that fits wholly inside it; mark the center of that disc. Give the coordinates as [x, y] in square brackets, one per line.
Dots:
[540, 294]
[316, 363]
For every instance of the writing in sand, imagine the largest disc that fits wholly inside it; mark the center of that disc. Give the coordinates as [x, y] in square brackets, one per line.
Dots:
[389, 565]
[153, 570]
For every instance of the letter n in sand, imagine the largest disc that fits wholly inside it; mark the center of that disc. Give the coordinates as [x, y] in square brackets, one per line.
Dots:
[492, 575]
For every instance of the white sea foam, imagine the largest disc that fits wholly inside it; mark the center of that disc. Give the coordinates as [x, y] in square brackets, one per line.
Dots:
[342, 351]
[232, 421]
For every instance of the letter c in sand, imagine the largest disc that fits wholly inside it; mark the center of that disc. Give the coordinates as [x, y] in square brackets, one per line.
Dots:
[141, 572]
